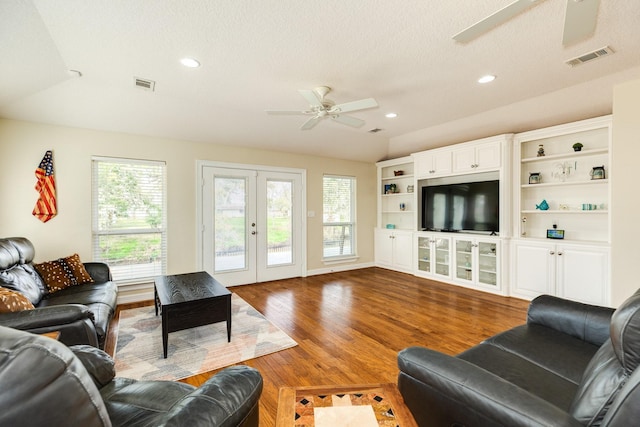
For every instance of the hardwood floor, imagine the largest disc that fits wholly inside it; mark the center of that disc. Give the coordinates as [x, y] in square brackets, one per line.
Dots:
[350, 326]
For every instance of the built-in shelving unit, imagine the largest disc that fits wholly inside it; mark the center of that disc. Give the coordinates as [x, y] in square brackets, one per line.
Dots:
[578, 202]
[396, 197]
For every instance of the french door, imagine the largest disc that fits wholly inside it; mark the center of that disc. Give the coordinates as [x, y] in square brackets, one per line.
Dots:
[252, 224]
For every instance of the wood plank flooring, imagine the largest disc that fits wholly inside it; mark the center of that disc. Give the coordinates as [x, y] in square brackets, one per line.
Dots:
[350, 326]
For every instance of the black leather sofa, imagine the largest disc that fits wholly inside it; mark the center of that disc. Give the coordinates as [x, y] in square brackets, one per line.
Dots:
[47, 384]
[571, 364]
[80, 313]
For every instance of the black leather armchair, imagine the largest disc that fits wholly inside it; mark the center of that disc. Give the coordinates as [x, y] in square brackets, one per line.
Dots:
[81, 314]
[45, 383]
[572, 364]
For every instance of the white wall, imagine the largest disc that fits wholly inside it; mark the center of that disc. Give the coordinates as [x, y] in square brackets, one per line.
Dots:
[625, 200]
[23, 144]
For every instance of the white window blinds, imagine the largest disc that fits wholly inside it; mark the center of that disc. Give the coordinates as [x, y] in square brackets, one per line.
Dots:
[338, 216]
[129, 217]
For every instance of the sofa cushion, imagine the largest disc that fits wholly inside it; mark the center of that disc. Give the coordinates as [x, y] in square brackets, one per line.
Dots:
[11, 301]
[532, 342]
[523, 373]
[63, 272]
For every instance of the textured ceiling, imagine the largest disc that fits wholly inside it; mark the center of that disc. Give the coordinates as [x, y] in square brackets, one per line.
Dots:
[255, 55]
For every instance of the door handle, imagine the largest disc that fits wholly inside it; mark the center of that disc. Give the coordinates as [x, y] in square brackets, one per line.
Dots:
[253, 232]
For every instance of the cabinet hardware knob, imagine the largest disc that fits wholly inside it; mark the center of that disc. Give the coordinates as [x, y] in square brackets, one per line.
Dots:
[559, 253]
[552, 253]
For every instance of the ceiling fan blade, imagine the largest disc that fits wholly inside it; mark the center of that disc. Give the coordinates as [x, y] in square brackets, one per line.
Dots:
[362, 104]
[348, 120]
[580, 20]
[287, 113]
[492, 21]
[311, 123]
[311, 97]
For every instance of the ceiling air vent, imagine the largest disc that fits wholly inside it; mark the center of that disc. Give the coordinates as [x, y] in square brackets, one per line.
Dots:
[144, 84]
[590, 56]
[375, 130]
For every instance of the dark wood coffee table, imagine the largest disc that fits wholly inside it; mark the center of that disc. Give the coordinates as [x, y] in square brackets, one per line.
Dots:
[190, 300]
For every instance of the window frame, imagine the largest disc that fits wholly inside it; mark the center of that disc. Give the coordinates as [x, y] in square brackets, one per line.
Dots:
[161, 229]
[352, 223]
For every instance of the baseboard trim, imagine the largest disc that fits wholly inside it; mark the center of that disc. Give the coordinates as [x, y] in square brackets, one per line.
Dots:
[128, 294]
[338, 268]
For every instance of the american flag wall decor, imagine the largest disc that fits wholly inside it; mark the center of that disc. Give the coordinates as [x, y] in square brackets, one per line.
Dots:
[46, 207]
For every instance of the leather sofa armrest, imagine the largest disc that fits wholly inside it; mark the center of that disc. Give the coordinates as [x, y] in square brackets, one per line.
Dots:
[444, 390]
[73, 321]
[99, 271]
[583, 321]
[229, 398]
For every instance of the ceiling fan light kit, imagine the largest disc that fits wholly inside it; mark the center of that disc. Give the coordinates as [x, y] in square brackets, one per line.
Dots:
[321, 108]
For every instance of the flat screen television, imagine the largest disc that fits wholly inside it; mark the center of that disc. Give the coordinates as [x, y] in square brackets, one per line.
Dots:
[473, 206]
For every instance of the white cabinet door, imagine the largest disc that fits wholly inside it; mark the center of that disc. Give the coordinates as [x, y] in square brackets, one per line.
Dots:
[403, 250]
[583, 274]
[488, 155]
[534, 269]
[383, 247]
[482, 156]
[433, 163]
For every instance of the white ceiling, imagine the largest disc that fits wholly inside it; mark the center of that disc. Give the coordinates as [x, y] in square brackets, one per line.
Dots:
[256, 54]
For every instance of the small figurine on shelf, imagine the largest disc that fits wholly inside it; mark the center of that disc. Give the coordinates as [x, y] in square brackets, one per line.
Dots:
[540, 150]
[577, 146]
[543, 206]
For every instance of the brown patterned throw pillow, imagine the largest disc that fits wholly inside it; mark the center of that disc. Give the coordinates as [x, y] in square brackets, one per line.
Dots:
[12, 301]
[63, 272]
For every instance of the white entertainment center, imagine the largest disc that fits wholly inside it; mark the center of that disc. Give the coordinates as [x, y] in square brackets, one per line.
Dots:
[543, 185]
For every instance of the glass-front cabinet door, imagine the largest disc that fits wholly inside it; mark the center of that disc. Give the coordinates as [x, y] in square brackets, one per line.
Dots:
[424, 254]
[464, 259]
[488, 263]
[441, 249]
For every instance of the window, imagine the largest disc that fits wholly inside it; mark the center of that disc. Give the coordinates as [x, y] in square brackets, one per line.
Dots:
[129, 217]
[338, 216]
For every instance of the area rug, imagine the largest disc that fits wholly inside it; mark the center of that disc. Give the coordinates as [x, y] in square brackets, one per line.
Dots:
[138, 352]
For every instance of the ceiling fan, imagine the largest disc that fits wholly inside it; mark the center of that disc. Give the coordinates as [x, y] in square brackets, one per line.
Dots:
[580, 20]
[320, 108]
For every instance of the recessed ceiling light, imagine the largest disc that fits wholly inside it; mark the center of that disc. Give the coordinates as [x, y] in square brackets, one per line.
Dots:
[486, 79]
[190, 62]
[391, 115]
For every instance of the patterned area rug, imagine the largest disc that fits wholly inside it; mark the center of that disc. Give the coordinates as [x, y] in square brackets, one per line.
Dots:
[138, 351]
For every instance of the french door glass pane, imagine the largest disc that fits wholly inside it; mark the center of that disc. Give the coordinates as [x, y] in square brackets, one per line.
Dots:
[279, 222]
[230, 224]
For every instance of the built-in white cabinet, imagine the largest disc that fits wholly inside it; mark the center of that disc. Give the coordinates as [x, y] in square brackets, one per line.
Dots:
[477, 157]
[433, 258]
[476, 262]
[432, 163]
[574, 271]
[394, 249]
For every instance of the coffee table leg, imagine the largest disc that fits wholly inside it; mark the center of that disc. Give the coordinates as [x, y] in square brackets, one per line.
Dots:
[165, 334]
[229, 319]
[155, 298]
